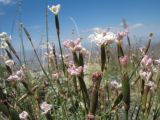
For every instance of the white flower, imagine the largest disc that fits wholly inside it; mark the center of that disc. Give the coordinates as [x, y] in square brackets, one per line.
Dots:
[3, 45]
[110, 37]
[23, 115]
[4, 36]
[101, 38]
[20, 73]
[146, 75]
[49, 55]
[142, 50]
[150, 83]
[65, 57]
[157, 61]
[3, 58]
[55, 8]
[9, 63]
[45, 107]
[115, 85]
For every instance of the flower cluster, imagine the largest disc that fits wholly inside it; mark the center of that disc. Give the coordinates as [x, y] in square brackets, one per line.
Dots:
[3, 45]
[75, 71]
[121, 35]
[106, 37]
[97, 76]
[73, 45]
[23, 115]
[46, 108]
[146, 62]
[18, 76]
[146, 68]
[102, 37]
[3, 38]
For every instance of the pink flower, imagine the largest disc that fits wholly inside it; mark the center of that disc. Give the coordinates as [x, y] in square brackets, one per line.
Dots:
[121, 35]
[72, 70]
[146, 62]
[23, 115]
[18, 76]
[97, 76]
[123, 60]
[46, 107]
[20, 73]
[13, 78]
[90, 117]
[73, 45]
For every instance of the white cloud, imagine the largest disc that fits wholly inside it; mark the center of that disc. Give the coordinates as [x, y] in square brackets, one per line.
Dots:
[133, 28]
[96, 29]
[6, 2]
[136, 26]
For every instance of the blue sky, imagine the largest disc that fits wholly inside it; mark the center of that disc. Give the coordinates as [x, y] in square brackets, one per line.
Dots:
[142, 16]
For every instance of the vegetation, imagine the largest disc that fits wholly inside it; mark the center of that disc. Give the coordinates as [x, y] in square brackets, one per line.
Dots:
[111, 83]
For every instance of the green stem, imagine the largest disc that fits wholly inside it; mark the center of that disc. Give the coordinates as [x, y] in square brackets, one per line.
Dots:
[126, 115]
[59, 42]
[103, 57]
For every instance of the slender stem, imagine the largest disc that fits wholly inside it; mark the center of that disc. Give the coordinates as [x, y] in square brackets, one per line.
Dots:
[126, 115]
[47, 35]
[59, 41]
[103, 57]
[49, 80]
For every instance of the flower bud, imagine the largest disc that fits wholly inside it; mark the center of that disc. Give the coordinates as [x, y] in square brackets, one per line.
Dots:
[97, 76]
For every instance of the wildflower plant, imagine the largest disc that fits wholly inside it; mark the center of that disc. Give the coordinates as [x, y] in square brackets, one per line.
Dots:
[127, 89]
